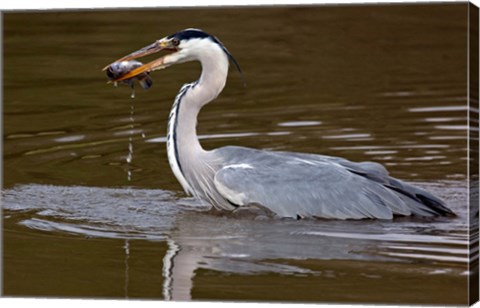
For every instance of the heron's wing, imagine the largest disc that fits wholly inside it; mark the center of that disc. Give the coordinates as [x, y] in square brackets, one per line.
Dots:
[305, 185]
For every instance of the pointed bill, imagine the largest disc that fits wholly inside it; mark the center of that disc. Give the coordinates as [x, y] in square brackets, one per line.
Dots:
[147, 50]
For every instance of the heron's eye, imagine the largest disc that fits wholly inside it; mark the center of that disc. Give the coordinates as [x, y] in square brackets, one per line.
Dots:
[175, 42]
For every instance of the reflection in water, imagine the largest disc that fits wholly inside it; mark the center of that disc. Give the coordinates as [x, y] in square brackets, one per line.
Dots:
[168, 275]
[127, 268]
[198, 239]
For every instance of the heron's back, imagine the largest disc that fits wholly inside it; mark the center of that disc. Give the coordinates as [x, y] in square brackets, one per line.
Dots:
[308, 185]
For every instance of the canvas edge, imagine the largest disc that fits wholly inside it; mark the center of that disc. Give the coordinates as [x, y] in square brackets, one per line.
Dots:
[473, 149]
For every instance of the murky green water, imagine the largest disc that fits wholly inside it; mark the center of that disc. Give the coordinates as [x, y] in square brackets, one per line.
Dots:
[381, 83]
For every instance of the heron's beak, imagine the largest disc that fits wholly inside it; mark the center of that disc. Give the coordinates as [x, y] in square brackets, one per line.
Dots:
[147, 50]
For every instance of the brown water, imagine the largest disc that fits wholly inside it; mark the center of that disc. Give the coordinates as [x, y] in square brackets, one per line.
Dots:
[91, 208]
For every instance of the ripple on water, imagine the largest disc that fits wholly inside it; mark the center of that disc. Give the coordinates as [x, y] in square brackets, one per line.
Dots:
[444, 119]
[348, 136]
[93, 211]
[299, 123]
[152, 214]
[71, 138]
[29, 135]
[439, 108]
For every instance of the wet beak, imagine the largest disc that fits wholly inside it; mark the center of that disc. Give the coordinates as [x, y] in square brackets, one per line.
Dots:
[147, 50]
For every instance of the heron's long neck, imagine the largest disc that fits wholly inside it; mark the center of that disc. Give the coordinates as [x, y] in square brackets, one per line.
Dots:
[185, 153]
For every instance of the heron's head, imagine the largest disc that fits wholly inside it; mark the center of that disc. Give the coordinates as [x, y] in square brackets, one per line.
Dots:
[184, 46]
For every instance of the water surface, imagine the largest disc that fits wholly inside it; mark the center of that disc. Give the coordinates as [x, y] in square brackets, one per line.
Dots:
[91, 208]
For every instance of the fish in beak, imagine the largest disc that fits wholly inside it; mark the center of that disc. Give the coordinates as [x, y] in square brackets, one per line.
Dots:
[160, 63]
[119, 69]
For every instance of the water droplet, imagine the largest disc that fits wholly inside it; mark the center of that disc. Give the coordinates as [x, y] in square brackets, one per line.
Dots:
[130, 151]
[129, 158]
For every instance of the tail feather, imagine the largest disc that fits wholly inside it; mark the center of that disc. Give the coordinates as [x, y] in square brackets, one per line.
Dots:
[421, 202]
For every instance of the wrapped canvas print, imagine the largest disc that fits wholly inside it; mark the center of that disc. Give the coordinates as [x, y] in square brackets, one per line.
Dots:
[335, 158]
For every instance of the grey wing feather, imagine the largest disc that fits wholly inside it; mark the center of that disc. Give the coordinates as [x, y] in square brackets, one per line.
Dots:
[308, 185]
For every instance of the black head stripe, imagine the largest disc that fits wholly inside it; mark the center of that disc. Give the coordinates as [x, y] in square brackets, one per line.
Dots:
[216, 40]
[189, 34]
[196, 33]
[236, 65]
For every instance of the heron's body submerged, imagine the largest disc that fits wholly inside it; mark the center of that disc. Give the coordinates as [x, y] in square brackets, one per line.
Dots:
[307, 185]
[288, 184]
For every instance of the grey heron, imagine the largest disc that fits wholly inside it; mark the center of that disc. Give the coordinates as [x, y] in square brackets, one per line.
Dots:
[286, 184]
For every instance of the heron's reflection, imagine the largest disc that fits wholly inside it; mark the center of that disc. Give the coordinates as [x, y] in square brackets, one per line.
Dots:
[248, 246]
[198, 239]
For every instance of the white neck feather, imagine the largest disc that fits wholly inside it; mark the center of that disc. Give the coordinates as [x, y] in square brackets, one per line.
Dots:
[185, 153]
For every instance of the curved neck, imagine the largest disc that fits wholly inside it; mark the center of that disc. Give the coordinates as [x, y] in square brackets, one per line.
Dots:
[184, 150]
[213, 77]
